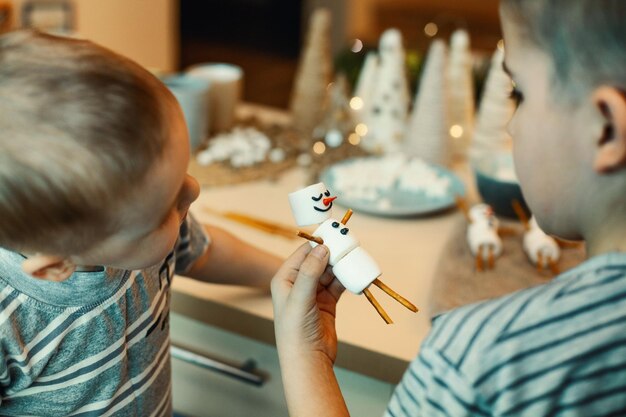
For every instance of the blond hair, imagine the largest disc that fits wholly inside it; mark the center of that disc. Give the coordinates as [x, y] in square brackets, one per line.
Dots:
[586, 40]
[79, 128]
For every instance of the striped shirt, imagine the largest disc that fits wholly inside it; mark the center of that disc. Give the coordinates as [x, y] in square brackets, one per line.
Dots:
[554, 350]
[96, 344]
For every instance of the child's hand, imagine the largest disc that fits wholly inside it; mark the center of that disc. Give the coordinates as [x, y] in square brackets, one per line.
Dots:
[305, 294]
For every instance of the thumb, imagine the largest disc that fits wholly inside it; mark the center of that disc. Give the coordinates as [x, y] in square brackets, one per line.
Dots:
[314, 265]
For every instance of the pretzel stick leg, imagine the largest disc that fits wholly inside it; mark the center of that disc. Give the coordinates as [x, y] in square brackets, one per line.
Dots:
[346, 216]
[377, 306]
[315, 239]
[479, 259]
[554, 267]
[462, 205]
[539, 261]
[491, 257]
[521, 214]
[395, 295]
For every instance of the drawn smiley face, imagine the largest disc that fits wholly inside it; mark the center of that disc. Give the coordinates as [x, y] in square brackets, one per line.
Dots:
[326, 200]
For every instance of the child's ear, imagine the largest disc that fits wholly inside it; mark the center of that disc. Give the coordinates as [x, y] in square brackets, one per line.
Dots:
[611, 145]
[49, 268]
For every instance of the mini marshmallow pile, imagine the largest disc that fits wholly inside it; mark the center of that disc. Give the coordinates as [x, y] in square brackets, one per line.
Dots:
[368, 179]
[242, 147]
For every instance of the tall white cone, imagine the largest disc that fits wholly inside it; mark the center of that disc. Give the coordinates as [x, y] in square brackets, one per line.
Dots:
[427, 133]
[460, 93]
[313, 75]
[387, 115]
[364, 87]
[496, 109]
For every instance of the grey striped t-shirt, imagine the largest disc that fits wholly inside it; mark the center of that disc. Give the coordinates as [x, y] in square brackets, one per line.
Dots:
[96, 344]
[554, 350]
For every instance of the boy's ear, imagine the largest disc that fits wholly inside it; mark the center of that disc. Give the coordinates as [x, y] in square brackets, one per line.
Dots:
[611, 145]
[49, 268]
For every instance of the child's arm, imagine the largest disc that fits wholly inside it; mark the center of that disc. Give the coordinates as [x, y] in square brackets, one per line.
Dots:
[228, 260]
[305, 295]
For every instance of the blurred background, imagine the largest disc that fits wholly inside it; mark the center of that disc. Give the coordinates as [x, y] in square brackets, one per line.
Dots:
[264, 37]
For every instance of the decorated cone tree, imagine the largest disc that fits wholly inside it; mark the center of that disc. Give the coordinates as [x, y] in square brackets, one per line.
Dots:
[460, 93]
[387, 112]
[496, 109]
[364, 87]
[427, 134]
[337, 122]
[313, 75]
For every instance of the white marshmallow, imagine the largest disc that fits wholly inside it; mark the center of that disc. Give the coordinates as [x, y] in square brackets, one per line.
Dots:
[483, 231]
[481, 235]
[339, 244]
[307, 204]
[357, 270]
[537, 242]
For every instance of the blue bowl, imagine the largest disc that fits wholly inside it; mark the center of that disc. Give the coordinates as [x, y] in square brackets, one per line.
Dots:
[497, 190]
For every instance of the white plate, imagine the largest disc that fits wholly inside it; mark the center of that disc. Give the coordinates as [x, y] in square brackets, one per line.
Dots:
[398, 202]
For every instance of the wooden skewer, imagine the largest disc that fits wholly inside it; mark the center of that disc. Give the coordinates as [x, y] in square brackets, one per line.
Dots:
[377, 306]
[521, 214]
[462, 205]
[264, 225]
[346, 216]
[315, 239]
[539, 261]
[554, 267]
[395, 295]
[479, 259]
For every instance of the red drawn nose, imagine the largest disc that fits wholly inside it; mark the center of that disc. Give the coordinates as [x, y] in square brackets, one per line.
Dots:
[328, 200]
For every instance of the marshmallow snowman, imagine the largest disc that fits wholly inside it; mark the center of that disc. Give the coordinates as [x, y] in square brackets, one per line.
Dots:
[482, 234]
[541, 249]
[351, 264]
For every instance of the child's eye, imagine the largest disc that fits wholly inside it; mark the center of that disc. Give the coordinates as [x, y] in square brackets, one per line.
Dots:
[516, 95]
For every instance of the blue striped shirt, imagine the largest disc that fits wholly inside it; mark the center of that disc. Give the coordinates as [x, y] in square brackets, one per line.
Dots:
[96, 344]
[554, 350]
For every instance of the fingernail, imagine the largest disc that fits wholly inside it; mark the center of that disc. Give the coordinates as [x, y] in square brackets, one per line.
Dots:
[319, 251]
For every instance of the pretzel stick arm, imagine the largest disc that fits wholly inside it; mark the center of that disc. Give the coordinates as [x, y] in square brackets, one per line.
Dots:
[315, 239]
[554, 267]
[395, 295]
[491, 257]
[377, 306]
[346, 216]
[479, 259]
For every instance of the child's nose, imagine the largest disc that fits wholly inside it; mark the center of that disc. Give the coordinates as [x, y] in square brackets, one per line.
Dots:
[328, 200]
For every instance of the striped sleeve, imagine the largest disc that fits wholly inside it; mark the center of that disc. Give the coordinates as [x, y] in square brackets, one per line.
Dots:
[192, 242]
[431, 387]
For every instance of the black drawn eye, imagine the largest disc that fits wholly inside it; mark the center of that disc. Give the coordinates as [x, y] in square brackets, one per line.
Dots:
[344, 231]
[317, 198]
[327, 193]
[335, 224]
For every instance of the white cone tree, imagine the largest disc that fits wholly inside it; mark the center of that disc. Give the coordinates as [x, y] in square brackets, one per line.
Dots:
[427, 131]
[460, 93]
[386, 117]
[365, 86]
[313, 75]
[496, 109]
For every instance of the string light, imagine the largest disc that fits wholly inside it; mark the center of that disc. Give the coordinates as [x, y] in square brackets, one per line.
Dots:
[431, 29]
[356, 103]
[361, 129]
[319, 148]
[456, 131]
[354, 139]
[357, 46]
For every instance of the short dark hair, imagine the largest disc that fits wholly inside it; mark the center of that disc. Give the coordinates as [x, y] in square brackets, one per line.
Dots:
[586, 39]
[79, 128]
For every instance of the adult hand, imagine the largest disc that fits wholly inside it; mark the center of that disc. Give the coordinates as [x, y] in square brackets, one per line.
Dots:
[305, 295]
